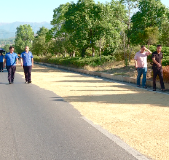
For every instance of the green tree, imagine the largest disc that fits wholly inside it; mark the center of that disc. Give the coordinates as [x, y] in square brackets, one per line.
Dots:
[150, 14]
[59, 20]
[151, 35]
[60, 42]
[114, 21]
[164, 39]
[83, 24]
[40, 46]
[24, 37]
[6, 47]
[88, 23]
[77, 27]
[130, 5]
[165, 34]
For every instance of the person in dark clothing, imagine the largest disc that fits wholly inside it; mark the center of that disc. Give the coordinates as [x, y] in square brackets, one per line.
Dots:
[157, 57]
[1, 61]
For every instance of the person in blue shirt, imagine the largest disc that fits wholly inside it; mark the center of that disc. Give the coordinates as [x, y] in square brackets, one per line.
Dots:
[11, 59]
[1, 61]
[27, 63]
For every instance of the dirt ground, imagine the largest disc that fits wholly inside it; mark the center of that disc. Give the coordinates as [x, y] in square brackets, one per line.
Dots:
[139, 117]
[118, 68]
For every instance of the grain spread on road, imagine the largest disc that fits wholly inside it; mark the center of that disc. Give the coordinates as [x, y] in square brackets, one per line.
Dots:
[139, 117]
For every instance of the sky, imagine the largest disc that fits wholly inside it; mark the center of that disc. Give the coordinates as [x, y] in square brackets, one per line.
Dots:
[35, 10]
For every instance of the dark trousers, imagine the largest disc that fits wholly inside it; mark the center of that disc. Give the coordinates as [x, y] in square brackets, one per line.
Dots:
[1, 66]
[11, 73]
[27, 71]
[158, 72]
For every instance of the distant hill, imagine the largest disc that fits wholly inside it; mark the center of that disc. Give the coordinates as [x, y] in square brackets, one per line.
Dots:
[7, 30]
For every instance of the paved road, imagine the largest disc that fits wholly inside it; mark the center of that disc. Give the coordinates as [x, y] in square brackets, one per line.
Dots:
[36, 124]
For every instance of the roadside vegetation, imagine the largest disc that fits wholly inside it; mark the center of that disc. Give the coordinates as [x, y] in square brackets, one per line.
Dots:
[98, 34]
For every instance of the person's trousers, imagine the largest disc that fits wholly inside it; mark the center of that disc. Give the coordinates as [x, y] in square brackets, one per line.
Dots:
[11, 73]
[141, 71]
[158, 72]
[27, 71]
[1, 66]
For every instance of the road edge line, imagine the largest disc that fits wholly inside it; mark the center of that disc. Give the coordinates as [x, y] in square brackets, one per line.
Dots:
[117, 141]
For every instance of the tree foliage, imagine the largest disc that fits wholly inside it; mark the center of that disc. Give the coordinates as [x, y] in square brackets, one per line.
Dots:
[24, 37]
[87, 28]
[150, 14]
[40, 46]
[164, 39]
[151, 35]
[84, 24]
[6, 47]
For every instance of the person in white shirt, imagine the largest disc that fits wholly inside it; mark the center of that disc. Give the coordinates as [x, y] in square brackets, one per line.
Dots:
[141, 65]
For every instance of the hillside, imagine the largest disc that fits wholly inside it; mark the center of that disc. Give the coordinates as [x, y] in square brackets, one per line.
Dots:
[7, 30]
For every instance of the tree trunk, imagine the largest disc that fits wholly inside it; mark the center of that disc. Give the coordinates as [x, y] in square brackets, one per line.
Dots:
[129, 8]
[100, 52]
[83, 51]
[93, 52]
[130, 54]
[124, 47]
[74, 54]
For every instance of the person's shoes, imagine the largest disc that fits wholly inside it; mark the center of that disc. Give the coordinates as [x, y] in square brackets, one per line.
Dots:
[9, 82]
[2, 71]
[145, 87]
[26, 81]
[162, 90]
[138, 85]
[29, 82]
[154, 89]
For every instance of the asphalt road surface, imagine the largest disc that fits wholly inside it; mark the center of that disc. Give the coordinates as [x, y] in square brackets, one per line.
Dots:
[36, 124]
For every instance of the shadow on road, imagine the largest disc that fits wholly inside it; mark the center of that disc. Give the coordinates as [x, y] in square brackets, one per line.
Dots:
[118, 99]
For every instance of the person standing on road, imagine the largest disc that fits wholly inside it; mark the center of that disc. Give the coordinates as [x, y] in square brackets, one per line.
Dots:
[157, 57]
[27, 63]
[11, 59]
[1, 62]
[141, 65]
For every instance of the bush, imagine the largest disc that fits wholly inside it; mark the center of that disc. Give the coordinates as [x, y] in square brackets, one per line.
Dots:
[129, 53]
[152, 48]
[165, 50]
[77, 62]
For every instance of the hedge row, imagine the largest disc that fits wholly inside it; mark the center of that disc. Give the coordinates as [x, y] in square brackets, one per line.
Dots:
[77, 62]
